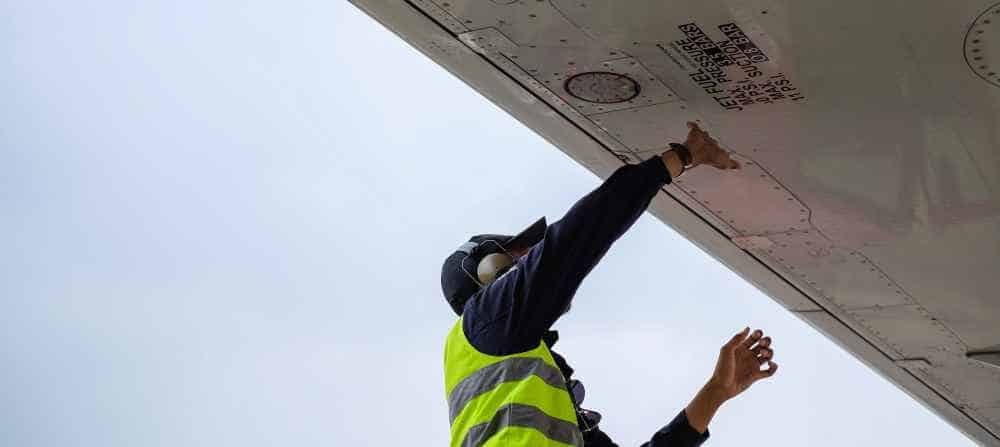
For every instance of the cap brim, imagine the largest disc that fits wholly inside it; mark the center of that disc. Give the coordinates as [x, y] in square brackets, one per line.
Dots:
[529, 236]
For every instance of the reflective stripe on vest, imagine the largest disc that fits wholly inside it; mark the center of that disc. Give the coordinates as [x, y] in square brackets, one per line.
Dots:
[514, 400]
[517, 415]
[510, 370]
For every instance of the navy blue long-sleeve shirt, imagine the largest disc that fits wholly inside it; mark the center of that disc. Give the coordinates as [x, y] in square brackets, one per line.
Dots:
[516, 312]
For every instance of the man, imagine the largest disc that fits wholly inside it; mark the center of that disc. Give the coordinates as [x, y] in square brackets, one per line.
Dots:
[503, 383]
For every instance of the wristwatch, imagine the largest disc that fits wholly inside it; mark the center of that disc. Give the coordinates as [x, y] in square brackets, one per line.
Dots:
[683, 152]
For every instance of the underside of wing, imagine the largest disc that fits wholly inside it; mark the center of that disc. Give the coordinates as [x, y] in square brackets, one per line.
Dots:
[868, 201]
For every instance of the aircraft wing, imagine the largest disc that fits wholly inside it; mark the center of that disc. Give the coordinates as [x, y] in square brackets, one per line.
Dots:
[868, 203]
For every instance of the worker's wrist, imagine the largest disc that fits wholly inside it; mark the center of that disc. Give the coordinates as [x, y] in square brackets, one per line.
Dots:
[714, 394]
[684, 153]
[702, 408]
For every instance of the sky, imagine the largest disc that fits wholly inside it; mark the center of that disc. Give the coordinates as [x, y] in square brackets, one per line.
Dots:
[223, 224]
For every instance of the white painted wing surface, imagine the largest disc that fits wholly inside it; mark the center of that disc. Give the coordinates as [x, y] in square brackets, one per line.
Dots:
[868, 204]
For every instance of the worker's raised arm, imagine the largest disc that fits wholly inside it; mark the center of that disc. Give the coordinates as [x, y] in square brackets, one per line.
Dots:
[738, 367]
[540, 288]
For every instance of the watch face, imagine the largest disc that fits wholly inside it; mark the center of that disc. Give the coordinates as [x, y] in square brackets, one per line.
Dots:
[602, 87]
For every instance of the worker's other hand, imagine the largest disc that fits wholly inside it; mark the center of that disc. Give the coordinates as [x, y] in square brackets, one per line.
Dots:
[740, 363]
[706, 151]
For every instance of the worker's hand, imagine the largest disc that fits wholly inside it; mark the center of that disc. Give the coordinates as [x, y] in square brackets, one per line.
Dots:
[740, 363]
[705, 150]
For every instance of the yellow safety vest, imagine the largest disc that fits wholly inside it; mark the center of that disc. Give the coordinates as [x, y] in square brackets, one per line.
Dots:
[511, 400]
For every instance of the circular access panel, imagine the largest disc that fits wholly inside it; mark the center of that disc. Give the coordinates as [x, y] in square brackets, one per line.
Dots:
[602, 87]
[982, 45]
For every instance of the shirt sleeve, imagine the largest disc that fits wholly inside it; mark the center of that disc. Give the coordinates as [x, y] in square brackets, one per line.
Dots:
[678, 433]
[511, 314]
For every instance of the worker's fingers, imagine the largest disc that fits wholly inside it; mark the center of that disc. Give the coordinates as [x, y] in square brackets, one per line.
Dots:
[724, 161]
[696, 136]
[694, 130]
[737, 339]
[764, 355]
[720, 159]
[745, 344]
[771, 369]
[763, 343]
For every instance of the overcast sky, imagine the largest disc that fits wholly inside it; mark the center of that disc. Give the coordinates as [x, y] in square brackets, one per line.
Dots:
[223, 224]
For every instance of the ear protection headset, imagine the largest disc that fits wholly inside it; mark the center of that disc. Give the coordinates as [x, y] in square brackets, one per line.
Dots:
[495, 260]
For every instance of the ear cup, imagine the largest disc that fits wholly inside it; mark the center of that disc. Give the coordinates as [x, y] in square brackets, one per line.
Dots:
[492, 266]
